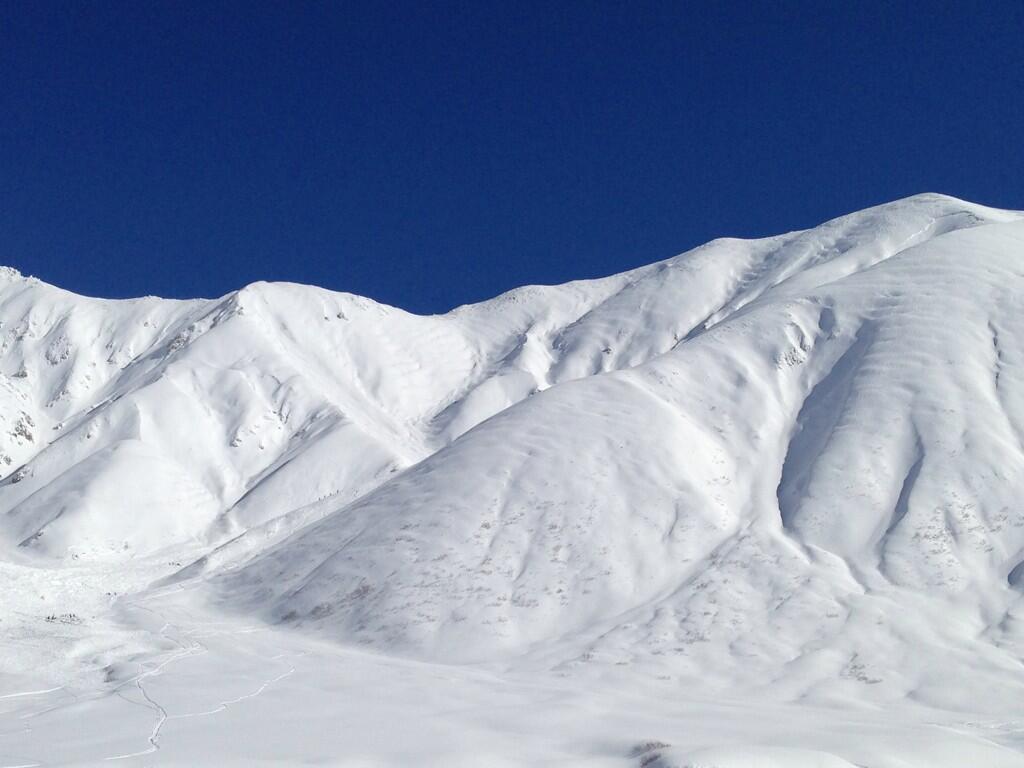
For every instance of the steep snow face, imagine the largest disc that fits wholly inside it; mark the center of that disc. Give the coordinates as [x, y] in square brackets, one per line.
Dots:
[777, 461]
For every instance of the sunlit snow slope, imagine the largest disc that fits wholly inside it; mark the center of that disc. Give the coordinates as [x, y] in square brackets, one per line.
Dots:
[793, 462]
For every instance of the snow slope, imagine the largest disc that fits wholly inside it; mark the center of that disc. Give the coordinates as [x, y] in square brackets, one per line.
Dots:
[832, 453]
[786, 470]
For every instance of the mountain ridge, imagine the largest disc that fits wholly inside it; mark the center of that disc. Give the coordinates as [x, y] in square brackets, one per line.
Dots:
[783, 470]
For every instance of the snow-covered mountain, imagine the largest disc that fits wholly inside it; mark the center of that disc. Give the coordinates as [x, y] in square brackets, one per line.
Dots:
[791, 467]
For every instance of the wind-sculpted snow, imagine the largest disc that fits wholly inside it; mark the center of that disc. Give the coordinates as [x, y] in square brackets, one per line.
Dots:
[790, 467]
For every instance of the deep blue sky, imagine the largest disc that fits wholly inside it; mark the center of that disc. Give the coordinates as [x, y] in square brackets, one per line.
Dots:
[430, 154]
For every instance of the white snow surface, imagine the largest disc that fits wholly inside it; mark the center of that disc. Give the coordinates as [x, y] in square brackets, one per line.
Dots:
[758, 505]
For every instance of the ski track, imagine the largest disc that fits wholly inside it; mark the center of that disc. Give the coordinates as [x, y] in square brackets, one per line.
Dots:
[191, 648]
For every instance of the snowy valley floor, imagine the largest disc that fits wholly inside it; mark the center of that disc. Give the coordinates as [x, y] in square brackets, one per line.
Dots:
[203, 690]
